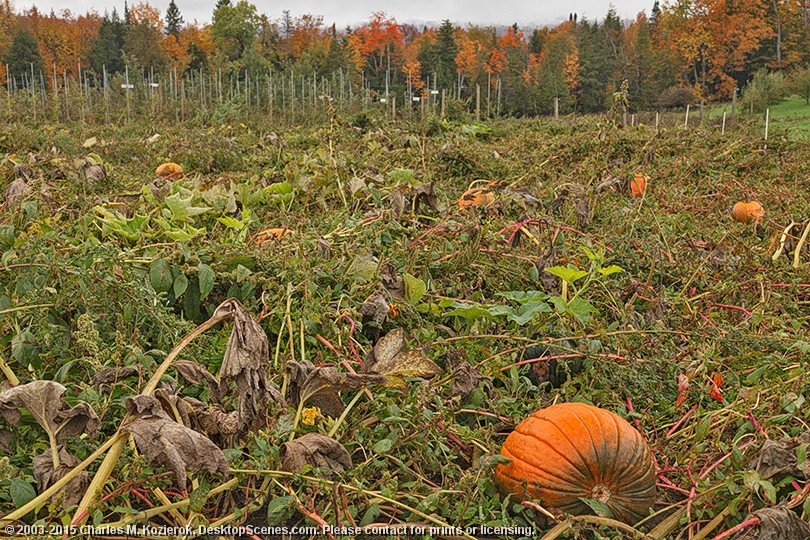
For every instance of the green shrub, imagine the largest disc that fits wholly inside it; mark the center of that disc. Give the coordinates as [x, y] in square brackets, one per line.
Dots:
[765, 88]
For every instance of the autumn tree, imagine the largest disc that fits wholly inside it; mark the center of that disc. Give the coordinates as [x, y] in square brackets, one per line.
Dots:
[714, 39]
[142, 41]
[23, 57]
[376, 42]
[200, 46]
[7, 25]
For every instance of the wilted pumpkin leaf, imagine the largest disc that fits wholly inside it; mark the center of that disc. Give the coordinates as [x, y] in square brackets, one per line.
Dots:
[43, 399]
[415, 289]
[112, 375]
[212, 419]
[583, 213]
[16, 190]
[363, 266]
[46, 476]
[392, 281]
[375, 308]
[195, 374]
[398, 202]
[246, 357]
[390, 358]
[5, 439]
[779, 458]
[426, 193]
[775, 524]
[316, 450]
[319, 386]
[165, 443]
[465, 379]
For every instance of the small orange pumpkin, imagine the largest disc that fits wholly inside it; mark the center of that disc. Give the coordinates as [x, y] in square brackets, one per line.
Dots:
[573, 451]
[747, 212]
[169, 169]
[476, 197]
[271, 234]
[638, 185]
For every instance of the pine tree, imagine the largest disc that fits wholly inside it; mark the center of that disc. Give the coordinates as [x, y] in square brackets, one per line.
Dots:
[655, 13]
[439, 58]
[222, 3]
[127, 16]
[173, 19]
[22, 55]
[106, 52]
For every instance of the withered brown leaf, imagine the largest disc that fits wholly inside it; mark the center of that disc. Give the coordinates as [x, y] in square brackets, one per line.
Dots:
[46, 476]
[392, 359]
[775, 524]
[465, 380]
[16, 190]
[779, 458]
[398, 202]
[43, 399]
[195, 374]
[375, 308]
[583, 213]
[247, 355]
[112, 375]
[5, 439]
[320, 385]
[316, 450]
[165, 443]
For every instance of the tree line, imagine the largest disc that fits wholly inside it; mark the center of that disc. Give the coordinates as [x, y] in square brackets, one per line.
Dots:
[684, 51]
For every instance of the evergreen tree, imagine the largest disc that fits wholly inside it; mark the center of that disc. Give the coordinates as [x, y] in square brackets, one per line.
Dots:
[440, 57]
[127, 16]
[655, 13]
[222, 3]
[106, 51]
[538, 39]
[173, 19]
[23, 53]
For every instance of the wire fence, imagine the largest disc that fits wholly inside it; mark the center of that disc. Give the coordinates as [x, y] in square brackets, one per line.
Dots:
[285, 97]
[206, 96]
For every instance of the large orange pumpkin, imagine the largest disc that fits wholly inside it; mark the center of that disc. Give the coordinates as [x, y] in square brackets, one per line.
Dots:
[573, 451]
[747, 212]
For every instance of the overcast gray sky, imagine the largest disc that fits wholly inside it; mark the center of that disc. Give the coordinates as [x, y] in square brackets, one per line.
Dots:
[341, 12]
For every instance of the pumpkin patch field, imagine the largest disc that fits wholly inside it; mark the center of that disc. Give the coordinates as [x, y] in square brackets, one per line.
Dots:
[437, 329]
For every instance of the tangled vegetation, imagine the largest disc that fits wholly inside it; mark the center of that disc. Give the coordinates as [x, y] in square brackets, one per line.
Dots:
[369, 308]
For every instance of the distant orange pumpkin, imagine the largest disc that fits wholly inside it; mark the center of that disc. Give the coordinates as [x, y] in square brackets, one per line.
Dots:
[271, 234]
[476, 197]
[169, 169]
[638, 185]
[747, 212]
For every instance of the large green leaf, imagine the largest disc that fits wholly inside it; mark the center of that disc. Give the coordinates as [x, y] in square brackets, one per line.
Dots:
[160, 275]
[180, 209]
[415, 289]
[581, 309]
[528, 311]
[569, 275]
[180, 285]
[206, 276]
[21, 492]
